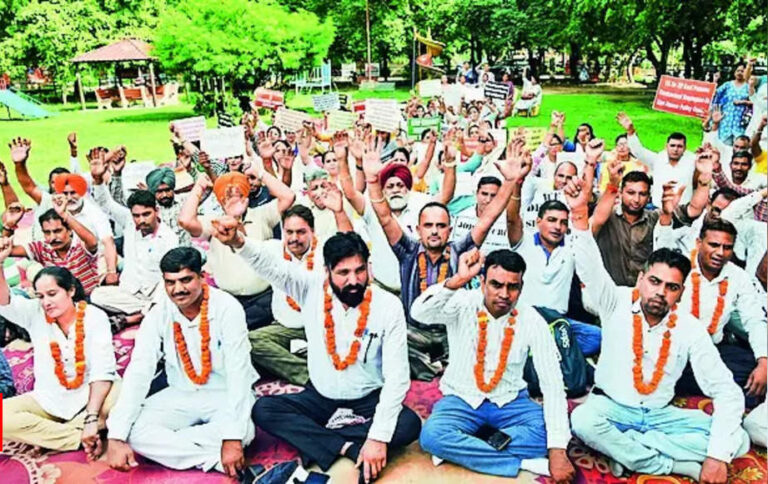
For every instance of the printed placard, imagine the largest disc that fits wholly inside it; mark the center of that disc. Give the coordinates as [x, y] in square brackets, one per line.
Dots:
[685, 97]
[326, 102]
[224, 142]
[496, 90]
[383, 114]
[343, 100]
[341, 120]
[534, 135]
[190, 129]
[430, 88]
[267, 98]
[416, 126]
[358, 107]
[290, 119]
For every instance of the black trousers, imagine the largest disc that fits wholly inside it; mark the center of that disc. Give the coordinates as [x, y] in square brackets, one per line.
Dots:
[258, 309]
[738, 358]
[300, 420]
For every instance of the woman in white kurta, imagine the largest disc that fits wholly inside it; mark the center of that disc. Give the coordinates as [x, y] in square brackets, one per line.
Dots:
[74, 364]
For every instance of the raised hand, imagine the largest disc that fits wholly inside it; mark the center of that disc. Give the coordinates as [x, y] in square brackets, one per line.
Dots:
[202, 185]
[332, 196]
[6, 244]
[670, 197]
[625, 122]
[98, 164]
[12, 215]
[518, 162]
[615, 172]
[20, 149]
[286, 161]
[3, 174]
[226, 230]
[705, 160]
[372, 164]
[577, 193]
[717, 114]
[470, 264]
[594, 151]
[72, 140]
[116, 158]
[204, 160]
[357, 147]
[60, 205]
[266, 150]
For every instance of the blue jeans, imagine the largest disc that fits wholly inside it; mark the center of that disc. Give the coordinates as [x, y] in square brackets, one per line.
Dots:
[588, 336]
[645, 440]
[447, 434]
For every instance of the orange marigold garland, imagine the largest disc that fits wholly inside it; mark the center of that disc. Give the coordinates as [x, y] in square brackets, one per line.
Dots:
[58, 367]
[482, 342]
[330, 330]
[696, 296]
[205, 345]
[310, 265]
[442, 273]
[637, 346]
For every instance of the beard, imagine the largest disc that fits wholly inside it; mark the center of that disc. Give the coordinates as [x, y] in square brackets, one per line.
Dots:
[397, 202]
[351, 295]
[165, 201]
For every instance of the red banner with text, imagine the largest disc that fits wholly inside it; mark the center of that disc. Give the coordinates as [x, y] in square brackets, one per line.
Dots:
[685, 97]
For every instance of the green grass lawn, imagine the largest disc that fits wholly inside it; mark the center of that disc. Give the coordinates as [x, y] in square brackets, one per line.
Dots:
[145, 131]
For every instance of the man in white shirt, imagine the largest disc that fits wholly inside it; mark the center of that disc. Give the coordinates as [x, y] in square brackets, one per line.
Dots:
[357, 357]
[202, 419]
[491, 323]
[647, 342]
[146, 240]
[673, 164]
[464, 221]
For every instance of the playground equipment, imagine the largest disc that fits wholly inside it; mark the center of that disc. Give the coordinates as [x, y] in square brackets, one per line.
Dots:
[433, 49]
[27, 106]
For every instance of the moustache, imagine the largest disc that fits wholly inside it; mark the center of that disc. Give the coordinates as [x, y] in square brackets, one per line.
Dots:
[180, 294]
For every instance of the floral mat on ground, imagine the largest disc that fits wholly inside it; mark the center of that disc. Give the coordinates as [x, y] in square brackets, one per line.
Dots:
[18, 467]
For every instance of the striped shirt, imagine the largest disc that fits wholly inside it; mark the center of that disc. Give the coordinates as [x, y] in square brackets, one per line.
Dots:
[81, 263]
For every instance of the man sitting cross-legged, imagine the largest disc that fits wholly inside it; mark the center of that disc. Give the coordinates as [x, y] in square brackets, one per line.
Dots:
[489, 323]
[202, 418]
[647, 343]
[357, 357]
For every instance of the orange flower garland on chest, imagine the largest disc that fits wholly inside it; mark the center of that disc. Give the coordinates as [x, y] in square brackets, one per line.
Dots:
[58, 366]
[310, 265]
[637, 346]
[205, 345]
[330, 330]
[442, 273]
[696, 296]
[482, 342]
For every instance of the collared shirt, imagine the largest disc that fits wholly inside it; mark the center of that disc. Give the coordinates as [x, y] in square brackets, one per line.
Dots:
[535, 192]
[457, 310]
[170, 217]
[382, 361]
[690, 342]
[548, 275]
[760, 205]
[141, 253]
[466, 220]
[91, 216]
[663, 171]
[231, 369]
[282, 311]
[81, 263]
[626, 246]
[407, 251]
[231, 274]
[100, 362]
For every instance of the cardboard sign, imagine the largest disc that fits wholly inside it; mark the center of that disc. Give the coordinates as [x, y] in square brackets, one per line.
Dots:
[416, 126]
[430, 88]
[190, 129]
[472, 93]
[290, 119]
[358, 107]
[269, 99]
[326, 102]
[383, 114]
[534, 136]
[343, 100]
[341, 120]
[684, 96]
[496, 90]
[452, 95]
[223, 143]
[135, 173]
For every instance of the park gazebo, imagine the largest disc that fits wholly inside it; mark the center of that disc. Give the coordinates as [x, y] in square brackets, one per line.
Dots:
[122, 51]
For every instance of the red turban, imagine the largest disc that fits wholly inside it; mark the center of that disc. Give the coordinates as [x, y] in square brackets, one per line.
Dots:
[231, 179]
[399, 170]
[75, 181]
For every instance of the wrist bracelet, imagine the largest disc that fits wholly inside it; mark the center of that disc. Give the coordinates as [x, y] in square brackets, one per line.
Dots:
[372, 179]
[378, 200]
[514, 198]
[359, 167]
[611, 188]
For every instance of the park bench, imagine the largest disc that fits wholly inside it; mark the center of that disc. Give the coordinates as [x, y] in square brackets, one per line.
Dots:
[129, 95]
[317, 77]
[167, 94]
[106, 96]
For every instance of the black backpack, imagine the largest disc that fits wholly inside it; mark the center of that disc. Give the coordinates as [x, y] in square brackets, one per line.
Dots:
[578, 375]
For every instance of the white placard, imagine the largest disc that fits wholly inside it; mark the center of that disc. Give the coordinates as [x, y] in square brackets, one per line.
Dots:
[383, 114]
[291, 119]
[326, 102]
[190, 129]
[472, 93]
[341, 120]
[134, 173]
[452, 95]
[223, 142]
[430, 88]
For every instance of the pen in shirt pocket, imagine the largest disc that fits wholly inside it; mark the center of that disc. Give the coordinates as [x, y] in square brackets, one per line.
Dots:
[371, 336]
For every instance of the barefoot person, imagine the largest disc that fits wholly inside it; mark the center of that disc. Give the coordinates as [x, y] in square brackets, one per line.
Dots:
[490, 324]
[74, 364]
[202, 419]
[357, 357]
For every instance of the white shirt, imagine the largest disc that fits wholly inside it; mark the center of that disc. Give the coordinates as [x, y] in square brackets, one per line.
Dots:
[231, 369]
[466, 220]
[663, 171]
[535, 192]
[100, 362]
[690, 342]
[141, 253]
[547, 278]
[754, 181]
[283, 313]
[382, 362]
[457, 310]
[91, 216]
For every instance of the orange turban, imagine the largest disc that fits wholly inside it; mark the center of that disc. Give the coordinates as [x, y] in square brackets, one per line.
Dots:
[231, 179]
[75, 181]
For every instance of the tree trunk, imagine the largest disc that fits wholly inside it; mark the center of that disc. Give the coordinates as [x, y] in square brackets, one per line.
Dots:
[573, 60]
[687, 55]
[660, 62]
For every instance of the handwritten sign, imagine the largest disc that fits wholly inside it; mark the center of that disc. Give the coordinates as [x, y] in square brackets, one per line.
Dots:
[269, 99]
[496, 90]
[685, 97]
[534, 136]
[430, 88]
[224, 142]
[383, 114]
[341, 120]
[290, 119]
[326, 102]
[416, 126]
[190, 129]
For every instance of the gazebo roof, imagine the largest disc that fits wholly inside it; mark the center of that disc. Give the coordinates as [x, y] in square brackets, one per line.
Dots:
[120, 51]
